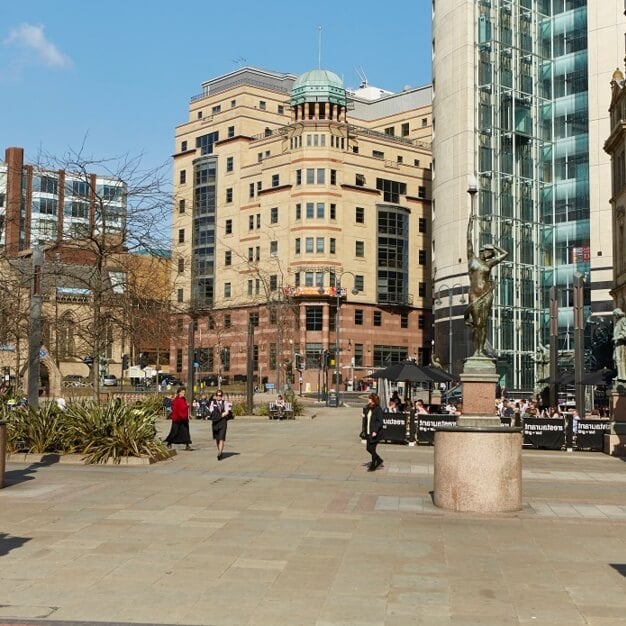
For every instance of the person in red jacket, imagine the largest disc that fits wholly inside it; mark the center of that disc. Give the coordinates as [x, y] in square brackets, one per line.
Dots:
[179, 432]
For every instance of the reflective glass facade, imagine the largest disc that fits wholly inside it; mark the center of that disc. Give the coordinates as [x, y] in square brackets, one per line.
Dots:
[533, 168]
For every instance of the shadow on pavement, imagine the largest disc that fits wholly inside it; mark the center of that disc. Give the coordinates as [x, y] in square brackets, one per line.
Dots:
[14, 477]
[620, 568]
[8, 543]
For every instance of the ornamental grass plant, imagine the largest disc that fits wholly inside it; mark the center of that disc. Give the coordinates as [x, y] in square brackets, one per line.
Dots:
[99, 432]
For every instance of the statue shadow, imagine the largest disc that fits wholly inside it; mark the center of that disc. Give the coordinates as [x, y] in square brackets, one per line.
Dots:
[17, 476]
[9, 542]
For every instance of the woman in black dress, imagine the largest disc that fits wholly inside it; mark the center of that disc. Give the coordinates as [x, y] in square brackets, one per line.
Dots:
[219, 411]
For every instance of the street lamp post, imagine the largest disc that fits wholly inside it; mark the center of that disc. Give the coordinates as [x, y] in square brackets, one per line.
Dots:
[339, 292]
[450, 297]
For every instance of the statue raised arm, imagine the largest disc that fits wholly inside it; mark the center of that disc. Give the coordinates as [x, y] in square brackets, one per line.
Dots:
[481, 287]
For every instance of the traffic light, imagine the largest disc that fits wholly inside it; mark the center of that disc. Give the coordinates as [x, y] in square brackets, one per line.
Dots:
[143, 360]
[124, 361]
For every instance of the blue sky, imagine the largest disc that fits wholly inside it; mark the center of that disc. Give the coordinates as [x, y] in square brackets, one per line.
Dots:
[121, 74]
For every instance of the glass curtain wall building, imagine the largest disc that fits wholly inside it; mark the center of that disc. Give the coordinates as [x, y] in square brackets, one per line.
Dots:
[529, 149]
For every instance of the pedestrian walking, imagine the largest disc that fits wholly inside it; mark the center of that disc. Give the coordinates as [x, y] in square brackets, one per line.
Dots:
[219, 411]
[373, 429]
[179, 431]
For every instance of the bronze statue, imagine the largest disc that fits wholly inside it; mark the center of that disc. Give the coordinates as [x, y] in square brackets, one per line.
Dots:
[619, 344]
[480, 288]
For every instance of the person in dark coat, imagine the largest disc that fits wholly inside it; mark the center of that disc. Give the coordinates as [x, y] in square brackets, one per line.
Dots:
[373, 429]
[219, 411]
[179, 431]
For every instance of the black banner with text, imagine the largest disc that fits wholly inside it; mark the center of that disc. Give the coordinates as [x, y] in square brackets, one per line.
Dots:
[426, 425]
[590, 434]
[541, 432]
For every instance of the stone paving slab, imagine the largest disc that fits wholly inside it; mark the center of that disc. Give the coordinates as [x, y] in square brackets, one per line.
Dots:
[291, 529]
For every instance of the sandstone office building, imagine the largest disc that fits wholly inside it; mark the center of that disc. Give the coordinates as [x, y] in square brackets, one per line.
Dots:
[294, 195]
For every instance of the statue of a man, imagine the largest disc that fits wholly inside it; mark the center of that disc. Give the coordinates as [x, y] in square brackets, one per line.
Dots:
[480, 288]
[619, 343]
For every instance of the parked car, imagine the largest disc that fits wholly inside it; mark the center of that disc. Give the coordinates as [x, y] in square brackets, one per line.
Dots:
[110, 380]
[75, 380]
[171, 381]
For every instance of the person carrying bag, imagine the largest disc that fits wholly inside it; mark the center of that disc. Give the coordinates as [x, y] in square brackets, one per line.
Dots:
[219, 411]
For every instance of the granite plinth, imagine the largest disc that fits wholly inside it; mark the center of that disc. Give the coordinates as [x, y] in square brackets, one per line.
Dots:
[478, 470]
[479, 378]
[615, 439]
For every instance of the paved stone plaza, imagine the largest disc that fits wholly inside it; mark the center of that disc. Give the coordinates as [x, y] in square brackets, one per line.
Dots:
[289, 529]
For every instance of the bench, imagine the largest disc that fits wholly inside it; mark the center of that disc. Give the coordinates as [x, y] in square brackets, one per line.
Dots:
[277, 412]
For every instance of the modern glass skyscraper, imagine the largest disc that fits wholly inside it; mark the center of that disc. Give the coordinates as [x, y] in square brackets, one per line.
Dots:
[532, 136]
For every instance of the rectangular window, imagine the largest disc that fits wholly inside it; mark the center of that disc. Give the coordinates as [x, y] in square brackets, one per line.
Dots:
[228, 257]
[275, 180]
[229, 194]
[424, 122]
[273, 282]
[258, 220]
[227, 320]
[421, 290]
[308, 244]
[298, 211]
[332, 245]
[377, 154]
[257, 253]
[181, 235]
[390, 131]
[274, 215]
[421, 322]
[378, 318]
[250, 222]
[404, 320]
[421, 191]
[310, 176]
[262, 105]
[281, 109]
[229, 227]
[310, 210]
[320, 210]
[405, 129]
[250, 286]
[359, 180]
[359, 282]
[421, 224]
[333, 177]
[179, 295]
[259, 186]
[257, 286]
[250, 254]
[181, 206]
[231, 132]
[181, 266]
[251, 190]
[359, 249]
[273, 248]
[230, 164]
[319, 245]
[358, 355]
[333, 211]
[179, 359]
[183, 177]
[358, 317]
[216, 109]
[183, 146]
[298, 177]
[421, 257]
[359, 216]
[298, 245]
[314, 318]
[233, 104]
[321, 175]
[227, 290]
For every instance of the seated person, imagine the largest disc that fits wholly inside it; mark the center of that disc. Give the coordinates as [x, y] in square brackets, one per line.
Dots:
[392, 406]
[419, 407]
[280, 405]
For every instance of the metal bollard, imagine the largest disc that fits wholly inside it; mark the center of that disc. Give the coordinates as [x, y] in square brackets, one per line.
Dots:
[3, 450]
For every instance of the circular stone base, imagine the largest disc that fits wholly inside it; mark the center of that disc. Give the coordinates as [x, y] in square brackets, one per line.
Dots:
[478, 469]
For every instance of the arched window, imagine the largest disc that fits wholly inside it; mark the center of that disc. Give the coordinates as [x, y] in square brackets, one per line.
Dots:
[67, 343]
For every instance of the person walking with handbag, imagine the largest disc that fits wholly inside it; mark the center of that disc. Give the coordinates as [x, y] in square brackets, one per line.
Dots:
[373, 429]
[219, 411]
[179, 430]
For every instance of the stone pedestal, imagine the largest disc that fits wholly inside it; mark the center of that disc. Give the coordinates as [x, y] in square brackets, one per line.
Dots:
[615, 440]
[478, 469]
[479, 380]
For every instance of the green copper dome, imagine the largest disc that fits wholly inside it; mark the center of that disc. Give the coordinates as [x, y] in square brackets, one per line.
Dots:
[318, 86]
